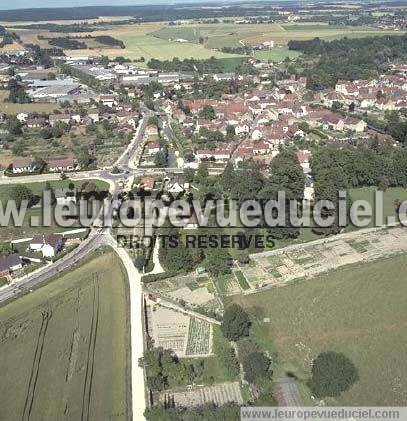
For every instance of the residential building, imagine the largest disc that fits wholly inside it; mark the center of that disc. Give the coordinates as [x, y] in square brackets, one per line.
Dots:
[10, 264]
[49, 245]
[23, 165]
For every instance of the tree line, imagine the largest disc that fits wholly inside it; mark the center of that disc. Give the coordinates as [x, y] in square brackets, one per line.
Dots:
[349, 59]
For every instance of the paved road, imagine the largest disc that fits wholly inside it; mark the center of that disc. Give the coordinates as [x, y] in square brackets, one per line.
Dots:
[98, 237]
[35, 279]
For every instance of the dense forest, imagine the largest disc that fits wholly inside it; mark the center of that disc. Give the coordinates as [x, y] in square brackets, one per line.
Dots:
[110, 41]
[349, 59]
[148, 13]
[378, 165]
[67, 43]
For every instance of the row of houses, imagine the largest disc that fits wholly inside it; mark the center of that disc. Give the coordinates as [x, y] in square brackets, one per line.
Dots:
[123, 114]
[48, 245]
[263, 120]
[387, 92]
[29, 165]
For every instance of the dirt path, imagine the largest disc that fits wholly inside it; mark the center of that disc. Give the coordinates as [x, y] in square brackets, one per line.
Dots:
[137, 348]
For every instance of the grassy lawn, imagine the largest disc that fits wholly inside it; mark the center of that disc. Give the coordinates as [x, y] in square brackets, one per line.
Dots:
[311, 27]
[389, 196]
[277, 54]
[82, 359]
[359, 310]
[230, 64]
[214, 367]
[37, 188]
[10, 108]
[26, 230]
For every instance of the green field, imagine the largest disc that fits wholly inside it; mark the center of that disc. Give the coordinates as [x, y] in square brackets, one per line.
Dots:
[311, 27]
[10, 108]
[222, 35]
[389, 197]
[201, 41]
[360, 310]
[242, 280]
[26, 230]
[141, 41]
[65, 347]
[277, 54]
[215, 368]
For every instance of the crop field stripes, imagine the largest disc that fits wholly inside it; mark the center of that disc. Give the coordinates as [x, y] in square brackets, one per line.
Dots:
[87, 386]
[199, 338]
[29, 400]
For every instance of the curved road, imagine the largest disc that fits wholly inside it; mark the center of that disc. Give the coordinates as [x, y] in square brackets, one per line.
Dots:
[96, 238]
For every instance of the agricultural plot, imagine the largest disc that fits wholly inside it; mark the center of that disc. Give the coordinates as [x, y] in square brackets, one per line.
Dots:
[227, 284]
[279, 267]
[140, 41]
[233, 283]
[199, 338]
[185, 335]
[199, 41]
[221, 35]
[65, 347]
[241, 279]
[218, 395]
[105, 145]
[359, 310]
[194, 291]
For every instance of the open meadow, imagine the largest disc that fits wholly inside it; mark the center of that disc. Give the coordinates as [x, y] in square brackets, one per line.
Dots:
[34, 107]
[390, 197]
[65, 347]
[359, 310]
[276, 54]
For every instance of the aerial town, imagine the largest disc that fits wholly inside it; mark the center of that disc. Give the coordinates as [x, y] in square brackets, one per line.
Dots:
[229, 103]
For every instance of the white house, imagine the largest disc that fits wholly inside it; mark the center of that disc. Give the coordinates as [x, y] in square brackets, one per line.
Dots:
[22, 117]
[21, 165]
[49, 244]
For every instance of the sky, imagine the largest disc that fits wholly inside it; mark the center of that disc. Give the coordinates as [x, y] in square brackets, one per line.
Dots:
[26, 4]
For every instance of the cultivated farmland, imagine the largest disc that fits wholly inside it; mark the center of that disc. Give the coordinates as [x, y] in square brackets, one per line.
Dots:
[65, 347]
[360, 310]
[232, 35]
[277, 268]
[140, 41]
[199, 41]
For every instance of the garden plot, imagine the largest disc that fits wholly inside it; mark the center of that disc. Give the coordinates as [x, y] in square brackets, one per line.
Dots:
[185, 335]
[227, 284]
[199, 338]
[194, 291]
[218, 395]
[308, 260]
